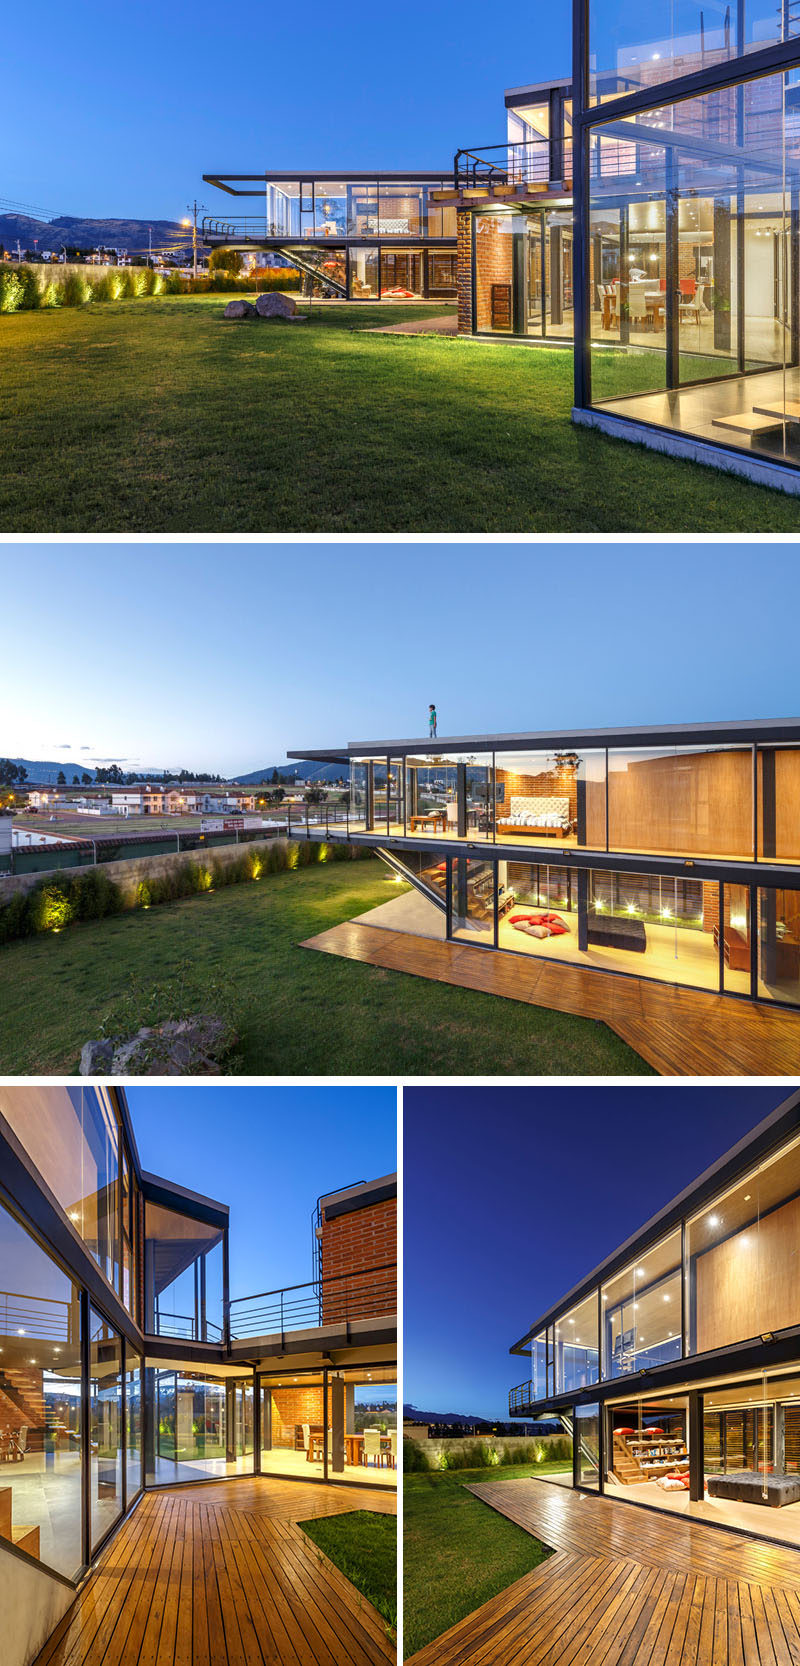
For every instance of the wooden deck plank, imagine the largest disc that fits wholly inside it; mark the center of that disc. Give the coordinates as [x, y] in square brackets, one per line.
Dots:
[679, 1031]
[223, 1575]
[628, 1587]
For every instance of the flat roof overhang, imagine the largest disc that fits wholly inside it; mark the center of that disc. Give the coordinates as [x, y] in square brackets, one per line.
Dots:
[569, 856]
[318, 1339]
[740, 1361]
[255, 184]
[516, 97]
[744, 731]
[769, 1133]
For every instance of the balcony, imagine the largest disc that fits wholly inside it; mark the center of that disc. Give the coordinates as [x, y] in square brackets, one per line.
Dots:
[336, 1303]
[523, 1400]
[509, 175]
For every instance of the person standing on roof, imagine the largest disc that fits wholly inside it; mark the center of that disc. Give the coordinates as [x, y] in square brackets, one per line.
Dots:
[432, 721]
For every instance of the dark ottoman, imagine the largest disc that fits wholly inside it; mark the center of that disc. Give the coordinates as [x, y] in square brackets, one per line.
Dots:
[748, 1488]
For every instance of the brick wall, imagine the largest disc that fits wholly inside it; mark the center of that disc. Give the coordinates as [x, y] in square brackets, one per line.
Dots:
[710, 906]
[290, 1406]
[362, 1239]
[549, 783]
[464, 271]
[493, 263]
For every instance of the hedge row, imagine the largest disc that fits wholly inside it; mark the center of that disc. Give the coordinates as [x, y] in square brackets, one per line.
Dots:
[26, 288]
[61, 900]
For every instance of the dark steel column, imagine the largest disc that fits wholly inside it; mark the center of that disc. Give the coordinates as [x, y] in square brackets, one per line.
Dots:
[461, 800]
[86, 1458]
[696, 1454]
[673, 374]
[583, 909]
[582, 391]
[721, 299]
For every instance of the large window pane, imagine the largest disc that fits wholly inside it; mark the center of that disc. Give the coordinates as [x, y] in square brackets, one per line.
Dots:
[72, 1136]
[641, 1311]
[40, 1400]
[183, 1271]
[586, 1435]
[202, 1426]
[472, 901]
[743, 1257]
[133, 1423]
[631, 49]
[105, 1378]
[553, 798]
[577, 1355]
[681, 801]
[431, 795]
[779, 945]
[779, 803]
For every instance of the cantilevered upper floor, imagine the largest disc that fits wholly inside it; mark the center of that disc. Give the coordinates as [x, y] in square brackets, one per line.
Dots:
[705, 793]
[709, 1283]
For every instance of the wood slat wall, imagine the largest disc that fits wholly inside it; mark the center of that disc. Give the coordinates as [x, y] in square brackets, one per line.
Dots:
[223, 1575]
[627, 1588]
[680, 1032]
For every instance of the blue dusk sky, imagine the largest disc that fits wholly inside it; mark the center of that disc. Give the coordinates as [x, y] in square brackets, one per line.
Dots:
[214, 658]
[119, 111]
[511, 1195]
[269, 1153]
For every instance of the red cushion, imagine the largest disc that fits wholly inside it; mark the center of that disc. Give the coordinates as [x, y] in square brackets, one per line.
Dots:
[652, 1429]
[535, 919]
[558, 928]
[624, 1431]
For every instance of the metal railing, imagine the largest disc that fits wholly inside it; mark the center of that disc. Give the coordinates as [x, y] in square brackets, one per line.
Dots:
[525, 163]
[39, 1317]
[184, 1327]
[364, 1294]
[374, 225]
[521, 1398]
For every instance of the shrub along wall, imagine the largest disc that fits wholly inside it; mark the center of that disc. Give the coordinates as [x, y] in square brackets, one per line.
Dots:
[469, 1453]
[55, 900]
[26, 288]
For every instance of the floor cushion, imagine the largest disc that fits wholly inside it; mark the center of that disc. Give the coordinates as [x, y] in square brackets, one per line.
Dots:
[558, 928]
[532, 930]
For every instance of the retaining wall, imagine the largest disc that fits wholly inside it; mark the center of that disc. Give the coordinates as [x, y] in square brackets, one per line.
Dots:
[129, 873]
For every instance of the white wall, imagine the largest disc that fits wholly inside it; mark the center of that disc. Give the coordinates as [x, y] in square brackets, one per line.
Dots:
[31, 1605]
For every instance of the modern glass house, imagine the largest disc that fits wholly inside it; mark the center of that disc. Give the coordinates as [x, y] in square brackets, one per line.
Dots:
[124, 1363]
[686, 153]
[364, 237]
[670, 853]
[675, 1363]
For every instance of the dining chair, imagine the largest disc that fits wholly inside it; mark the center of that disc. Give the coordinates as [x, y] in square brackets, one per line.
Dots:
[372, 1446]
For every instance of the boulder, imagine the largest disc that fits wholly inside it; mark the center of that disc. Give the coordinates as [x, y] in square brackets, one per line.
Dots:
[180, 1047]
[239, 309]
[276, 305]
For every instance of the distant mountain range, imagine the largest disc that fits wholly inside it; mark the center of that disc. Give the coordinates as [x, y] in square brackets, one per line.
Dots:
[46, 772]
[70, 230]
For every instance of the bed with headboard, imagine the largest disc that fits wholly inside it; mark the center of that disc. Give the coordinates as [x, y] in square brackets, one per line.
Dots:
[535, 818]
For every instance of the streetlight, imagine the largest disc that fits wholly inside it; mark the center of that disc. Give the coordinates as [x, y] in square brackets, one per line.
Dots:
[192, 207]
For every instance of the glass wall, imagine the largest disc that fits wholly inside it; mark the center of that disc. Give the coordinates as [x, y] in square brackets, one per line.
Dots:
[40, 1399]
[105, 1406]
[630, 50]
[73, 1137]
[641, 1311]
[779, 945]
[294, 1422]
[202, 1425]
[495, 237]
[557, 797]
[472, 900]
[693, 262]
[183, 1275]
[133, 1424]
[681, 801]
[743, 1257]
[577, 1347]
[364, 274]
[586, 1437]
[779, 803]
[431, 795]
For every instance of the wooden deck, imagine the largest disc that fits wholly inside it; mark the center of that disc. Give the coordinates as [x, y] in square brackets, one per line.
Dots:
[222, 1575]
[628, 1587]
[680, 1032]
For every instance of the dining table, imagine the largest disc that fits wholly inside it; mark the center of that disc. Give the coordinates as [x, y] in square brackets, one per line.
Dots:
[354, 1444]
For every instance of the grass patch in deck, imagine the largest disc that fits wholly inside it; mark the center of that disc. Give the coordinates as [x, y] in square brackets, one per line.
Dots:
[363, 1545]
[457, 1552]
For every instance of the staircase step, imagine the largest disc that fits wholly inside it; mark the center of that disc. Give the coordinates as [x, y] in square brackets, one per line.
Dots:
[26, 1538]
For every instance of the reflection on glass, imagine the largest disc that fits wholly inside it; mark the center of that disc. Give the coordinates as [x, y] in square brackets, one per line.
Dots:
[586, 1436]
[133, 1423]
[40, 1399]
[736, 944]
[631, 49]
[183, 1270]
[72, 1136]
[743, 1256]
[472, 900]
[203, 1426]
[779, 803]
[105, 1379]
[681, 800]
[577, 1349]
[641, 1311]
[779, 945]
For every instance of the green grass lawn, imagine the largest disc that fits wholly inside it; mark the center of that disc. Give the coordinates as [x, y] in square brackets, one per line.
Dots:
[296, 1012]
[363, 1544]
[457, 1552]
[156, 416]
